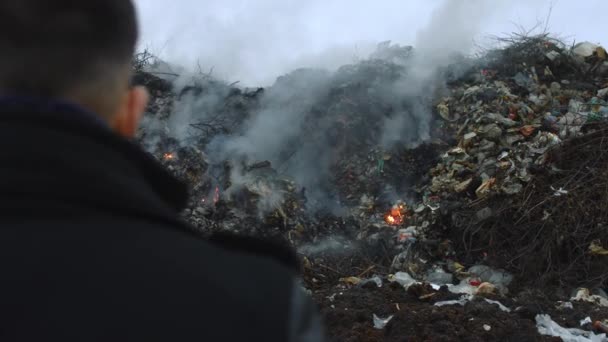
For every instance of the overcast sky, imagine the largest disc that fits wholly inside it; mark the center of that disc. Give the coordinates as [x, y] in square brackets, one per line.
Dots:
[254, 41]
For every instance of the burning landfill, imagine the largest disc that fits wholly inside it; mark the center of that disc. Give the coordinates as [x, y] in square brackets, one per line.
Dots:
[463, 204]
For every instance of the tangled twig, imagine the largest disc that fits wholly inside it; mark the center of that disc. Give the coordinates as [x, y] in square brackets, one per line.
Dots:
[543, 237]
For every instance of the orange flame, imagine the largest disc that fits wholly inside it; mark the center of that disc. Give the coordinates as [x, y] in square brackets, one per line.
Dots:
[396, 215]
[168, 156]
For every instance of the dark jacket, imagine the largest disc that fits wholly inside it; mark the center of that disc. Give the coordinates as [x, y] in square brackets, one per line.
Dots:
[91, 248]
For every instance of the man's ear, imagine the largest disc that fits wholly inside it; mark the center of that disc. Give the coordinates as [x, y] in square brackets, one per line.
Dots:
[130, 112]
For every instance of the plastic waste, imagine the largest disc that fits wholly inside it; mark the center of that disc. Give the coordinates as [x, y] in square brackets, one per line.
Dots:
[546, 326]
[407, 234]
[380, 323]
[462, 301]
[552, 55]
[585, 49]
[500, 305]
[559, 192]
[463, 288]
[585, 295]
[375, 279]
[403, 278]
[576, 106]
[500, 278]
[524, 81]
[440, 277]
[565, 305]
[474, 286]
[467, 298]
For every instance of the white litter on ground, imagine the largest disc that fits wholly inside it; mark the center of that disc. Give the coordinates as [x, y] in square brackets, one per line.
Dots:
[546, 326]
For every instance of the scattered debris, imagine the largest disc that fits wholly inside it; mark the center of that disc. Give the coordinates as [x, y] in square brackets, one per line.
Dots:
[601, 326]
[374, 280]
[596, 248]
[380, 323]
[462, 301]
[565, 305]
[502, 307]
[559, 192]
[403, 279]
[586, 296]
[351, 280]
[466, 286]
[546, 326]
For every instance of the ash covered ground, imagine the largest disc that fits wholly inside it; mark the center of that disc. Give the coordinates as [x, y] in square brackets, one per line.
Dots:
[426, 199]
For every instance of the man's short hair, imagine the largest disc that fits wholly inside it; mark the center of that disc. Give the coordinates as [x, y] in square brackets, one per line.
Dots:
[58, 48]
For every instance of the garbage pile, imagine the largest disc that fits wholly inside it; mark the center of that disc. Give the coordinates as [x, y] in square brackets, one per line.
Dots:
[353, 166]
[525, 174]
[490, 187]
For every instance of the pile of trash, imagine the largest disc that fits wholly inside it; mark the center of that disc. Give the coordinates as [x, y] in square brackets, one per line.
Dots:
[463, 195]
[523, 177]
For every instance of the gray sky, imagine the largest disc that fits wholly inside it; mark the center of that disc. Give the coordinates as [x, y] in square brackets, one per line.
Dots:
[255, 41]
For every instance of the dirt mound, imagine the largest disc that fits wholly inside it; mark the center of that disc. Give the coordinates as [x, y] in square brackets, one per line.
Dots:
[350, 312]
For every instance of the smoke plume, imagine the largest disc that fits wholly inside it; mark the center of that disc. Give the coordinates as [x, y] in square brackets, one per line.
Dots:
[293, 127]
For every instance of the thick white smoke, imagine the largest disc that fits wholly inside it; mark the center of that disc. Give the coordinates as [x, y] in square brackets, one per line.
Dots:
[255, 41]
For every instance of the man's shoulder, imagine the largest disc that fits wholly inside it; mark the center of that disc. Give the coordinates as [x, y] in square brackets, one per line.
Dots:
[225, 249]
[164, 256]
[152, 272]
[164, 244]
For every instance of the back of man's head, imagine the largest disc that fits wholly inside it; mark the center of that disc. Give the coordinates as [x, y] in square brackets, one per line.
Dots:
[78, 50]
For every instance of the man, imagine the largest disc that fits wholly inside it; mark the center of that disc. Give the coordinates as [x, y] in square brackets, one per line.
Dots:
[91, 248]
